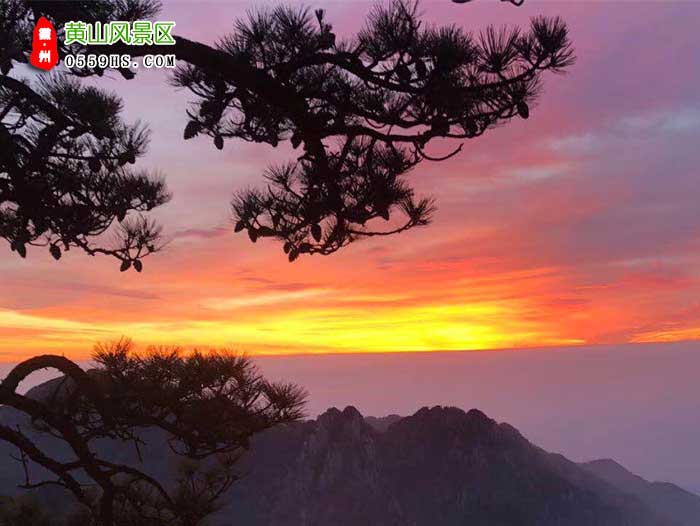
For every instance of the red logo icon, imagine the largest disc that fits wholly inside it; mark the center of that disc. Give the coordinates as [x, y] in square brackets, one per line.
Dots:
[44, 46]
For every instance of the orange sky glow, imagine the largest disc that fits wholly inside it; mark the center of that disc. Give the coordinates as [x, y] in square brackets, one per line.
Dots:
[578, 226]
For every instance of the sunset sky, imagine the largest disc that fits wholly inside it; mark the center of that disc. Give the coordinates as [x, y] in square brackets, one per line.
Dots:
[580, 225]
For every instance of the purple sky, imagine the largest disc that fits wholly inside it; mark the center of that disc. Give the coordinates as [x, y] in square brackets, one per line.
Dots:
[580, 225]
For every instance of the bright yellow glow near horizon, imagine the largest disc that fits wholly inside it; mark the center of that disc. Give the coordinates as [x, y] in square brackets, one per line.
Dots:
[304, 330]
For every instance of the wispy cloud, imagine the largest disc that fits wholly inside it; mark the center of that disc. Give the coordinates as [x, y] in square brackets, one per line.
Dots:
[579, 224]
[681, 120]
[259, 300]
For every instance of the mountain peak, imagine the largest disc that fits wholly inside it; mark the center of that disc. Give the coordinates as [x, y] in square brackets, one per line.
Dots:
[607, 463]
[55, 388]
[610, 470]
[453, 417]
[352, 413]
[668, 500]
[449, 412]
[333, 414]
[349, 421]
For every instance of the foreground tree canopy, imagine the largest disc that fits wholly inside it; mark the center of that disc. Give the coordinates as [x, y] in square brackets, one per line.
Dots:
[362, 113]
[206, 407]
[66, 157]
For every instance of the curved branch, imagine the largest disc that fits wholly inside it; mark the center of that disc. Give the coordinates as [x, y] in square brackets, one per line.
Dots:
[48, 361]
[442, 158]
[83, 381]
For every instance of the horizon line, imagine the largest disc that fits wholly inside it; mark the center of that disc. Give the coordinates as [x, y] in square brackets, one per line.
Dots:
[560, 348]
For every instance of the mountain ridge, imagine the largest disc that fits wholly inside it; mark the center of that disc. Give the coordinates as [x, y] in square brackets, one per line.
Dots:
[441, 466]
[462, 467]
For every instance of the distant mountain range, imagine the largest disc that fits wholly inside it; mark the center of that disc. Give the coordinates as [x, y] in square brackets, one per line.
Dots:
[664, 498]
[439, 467]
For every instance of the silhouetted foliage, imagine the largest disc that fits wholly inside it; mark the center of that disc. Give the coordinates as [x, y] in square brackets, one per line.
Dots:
[208, 406]
[66, 156]
[363, 111]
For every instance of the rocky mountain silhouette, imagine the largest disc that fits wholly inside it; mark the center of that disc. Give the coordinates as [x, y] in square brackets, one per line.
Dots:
[666, 498]
[439, 467]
